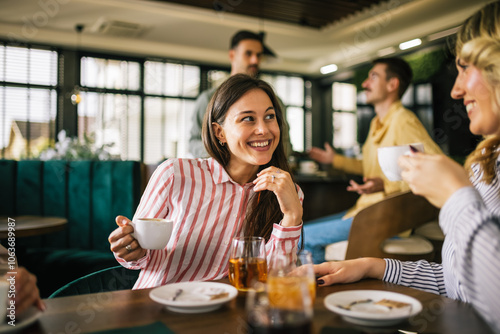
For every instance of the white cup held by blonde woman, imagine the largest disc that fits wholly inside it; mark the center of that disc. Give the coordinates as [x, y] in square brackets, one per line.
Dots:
[388, 159]
[152, 233]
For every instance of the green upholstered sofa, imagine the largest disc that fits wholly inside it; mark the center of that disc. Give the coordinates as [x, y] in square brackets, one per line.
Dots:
[90, 194]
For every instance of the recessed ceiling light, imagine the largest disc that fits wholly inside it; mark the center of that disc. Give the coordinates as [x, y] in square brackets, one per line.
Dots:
[410, 44]
[328, 69]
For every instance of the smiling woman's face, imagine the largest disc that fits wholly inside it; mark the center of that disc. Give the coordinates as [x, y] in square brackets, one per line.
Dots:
[250, 130]
[471, 86]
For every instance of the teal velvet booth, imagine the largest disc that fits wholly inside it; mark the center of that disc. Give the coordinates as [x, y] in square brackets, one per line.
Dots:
[90, 194]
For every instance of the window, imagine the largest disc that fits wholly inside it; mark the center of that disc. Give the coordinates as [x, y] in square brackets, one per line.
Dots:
[290, 90]
[167, 110]
[217, 77]
[28, 100]
[344, 117]
[110, 108]
[141, 107]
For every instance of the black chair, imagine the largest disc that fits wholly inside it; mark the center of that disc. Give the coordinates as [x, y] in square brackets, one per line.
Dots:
[109, 279]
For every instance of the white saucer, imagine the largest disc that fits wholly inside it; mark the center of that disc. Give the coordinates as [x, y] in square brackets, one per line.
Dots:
[27, 318]
[194, 297]
[370, 314]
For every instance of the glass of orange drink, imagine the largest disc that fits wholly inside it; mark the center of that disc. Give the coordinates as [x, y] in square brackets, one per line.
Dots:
[247, 262]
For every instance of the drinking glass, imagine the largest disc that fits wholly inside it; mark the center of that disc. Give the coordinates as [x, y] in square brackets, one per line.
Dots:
[247, 262]
[286, 277]
[267, 317]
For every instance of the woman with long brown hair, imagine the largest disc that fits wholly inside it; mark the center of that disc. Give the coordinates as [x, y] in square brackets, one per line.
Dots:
[245, 188]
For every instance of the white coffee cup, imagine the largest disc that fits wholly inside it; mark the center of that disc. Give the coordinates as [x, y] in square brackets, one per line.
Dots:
[4, 290]
[152, 233]
[388, 159]
[308, 167]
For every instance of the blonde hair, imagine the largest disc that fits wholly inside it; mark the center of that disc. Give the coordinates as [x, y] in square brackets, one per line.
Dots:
[478, 43]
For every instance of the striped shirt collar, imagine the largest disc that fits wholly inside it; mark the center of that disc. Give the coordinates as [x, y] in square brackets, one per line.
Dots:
[219, 174]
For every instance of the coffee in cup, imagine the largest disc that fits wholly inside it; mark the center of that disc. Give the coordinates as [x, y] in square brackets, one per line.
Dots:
[152, 233]
[388, 159]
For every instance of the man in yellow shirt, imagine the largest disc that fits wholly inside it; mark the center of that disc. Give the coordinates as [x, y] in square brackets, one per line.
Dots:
[393, 125]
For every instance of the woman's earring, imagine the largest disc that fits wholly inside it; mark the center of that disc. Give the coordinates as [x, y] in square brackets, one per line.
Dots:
[221, 143]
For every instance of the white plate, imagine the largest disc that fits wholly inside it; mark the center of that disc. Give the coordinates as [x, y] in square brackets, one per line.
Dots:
[370, 314]
[195, 296]
[27, 318]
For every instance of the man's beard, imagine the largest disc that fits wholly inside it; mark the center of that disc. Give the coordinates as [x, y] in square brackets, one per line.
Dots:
[253, 70]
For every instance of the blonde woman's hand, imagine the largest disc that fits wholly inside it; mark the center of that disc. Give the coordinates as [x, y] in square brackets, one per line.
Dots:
[436, 177]
[281, 184]
[122, 244]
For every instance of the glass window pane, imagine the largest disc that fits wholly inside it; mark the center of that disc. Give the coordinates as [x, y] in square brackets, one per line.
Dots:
[280, 87]
[112, 119]
[16, 69]
[296, 93]
[216, 78]
[153, 132]
[166, 128]
[424, 94]
[173, 82]
[106, 73]
[43, 67]
[92, 72]
[153, 77]
[295, 118]
[344, 130]
[426, 116]
[407, 98]
[134, 75]
[343, 96]
[191, 81]
[2, 62]
[27, 117]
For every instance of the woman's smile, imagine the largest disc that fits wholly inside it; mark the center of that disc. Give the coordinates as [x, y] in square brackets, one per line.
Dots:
[260, 145]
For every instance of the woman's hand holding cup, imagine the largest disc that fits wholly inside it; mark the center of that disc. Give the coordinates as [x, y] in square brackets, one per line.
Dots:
[123, 244]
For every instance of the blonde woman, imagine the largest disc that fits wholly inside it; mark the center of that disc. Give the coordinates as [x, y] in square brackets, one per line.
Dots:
[470, 198]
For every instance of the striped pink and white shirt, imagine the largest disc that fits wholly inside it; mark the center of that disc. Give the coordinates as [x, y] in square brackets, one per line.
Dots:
[208, 209]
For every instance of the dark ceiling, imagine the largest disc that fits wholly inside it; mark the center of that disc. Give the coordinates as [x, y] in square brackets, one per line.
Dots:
[308, 13]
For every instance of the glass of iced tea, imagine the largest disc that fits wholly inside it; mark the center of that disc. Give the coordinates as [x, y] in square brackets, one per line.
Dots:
[247, 262]
[264, 316]
[286, 279]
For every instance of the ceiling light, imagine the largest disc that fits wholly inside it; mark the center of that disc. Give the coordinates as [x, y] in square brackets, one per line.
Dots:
[328, 69]
[386, 51]
[410, 44]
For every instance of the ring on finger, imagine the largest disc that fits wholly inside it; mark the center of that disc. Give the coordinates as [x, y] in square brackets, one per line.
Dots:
[128, 248]
[273, 177]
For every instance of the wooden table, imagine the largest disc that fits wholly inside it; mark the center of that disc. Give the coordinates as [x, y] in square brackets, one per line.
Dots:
[26, 226]
[119, 309]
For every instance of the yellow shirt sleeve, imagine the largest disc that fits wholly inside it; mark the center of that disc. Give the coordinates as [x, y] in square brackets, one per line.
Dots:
[348, 165]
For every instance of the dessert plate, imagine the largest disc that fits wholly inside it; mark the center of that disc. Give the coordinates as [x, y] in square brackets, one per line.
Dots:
[372, 307]
[193, 297]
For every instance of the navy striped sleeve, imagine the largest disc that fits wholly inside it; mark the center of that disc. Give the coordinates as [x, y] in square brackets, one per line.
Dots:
[420, 275]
